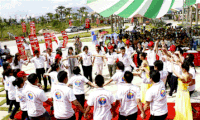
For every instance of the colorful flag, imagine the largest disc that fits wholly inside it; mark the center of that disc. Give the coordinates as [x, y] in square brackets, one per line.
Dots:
[33, 30]
[65, 39]
[70, 23]
[34, 43]
[23, 27]
[21, 48]
[48, 40]
[97, 21]
[87, 23]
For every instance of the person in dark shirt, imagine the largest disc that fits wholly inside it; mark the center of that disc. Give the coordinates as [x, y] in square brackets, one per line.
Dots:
[139, 50]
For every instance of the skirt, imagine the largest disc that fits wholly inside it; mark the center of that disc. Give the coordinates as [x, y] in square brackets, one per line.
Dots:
[144, 89]
[183, 106]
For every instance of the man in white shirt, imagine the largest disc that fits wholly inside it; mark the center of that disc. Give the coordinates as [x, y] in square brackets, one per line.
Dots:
[129, 97]
[145, 43]
[35, 98]
[102, 100]
[156, 98]
[6, 50]
[38, 61]
[62, 97]
[27, 48]
[151, 53]
[120, 44]
[126, 59]
[50, 59]
[129, 50]
[158, 65]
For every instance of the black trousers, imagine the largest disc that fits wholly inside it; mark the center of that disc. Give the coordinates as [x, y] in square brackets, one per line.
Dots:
[81, 100]
[173, 84]
[163, 117]
[25, 115]
[13, 102]
[130, 117]
[40, 72]
[49, 78]
[168, 79]
[87, 71]
[72, 118]
[191, 92]
[7, 99]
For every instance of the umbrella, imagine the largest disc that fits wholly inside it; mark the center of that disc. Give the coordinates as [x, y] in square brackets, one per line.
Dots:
[129, 8]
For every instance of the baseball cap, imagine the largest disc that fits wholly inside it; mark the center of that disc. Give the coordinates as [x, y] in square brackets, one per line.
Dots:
[110, 47]
[21, 74]
[127, 42]
[150, 44]
[172, 48]
[58, 56]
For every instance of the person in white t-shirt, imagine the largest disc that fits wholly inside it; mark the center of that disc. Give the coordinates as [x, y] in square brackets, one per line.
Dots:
[17, 62]
[39, 62]
[50, 59]
[145, 43]
[35, 98]
[98, 61]
[102, 100]
[129, 97]
[62, 97]
[126, 59]
[129, 50]
[158, 65]
[11, 93]
[27, 48]
[78, 86]
[53, 74]
[151, 53]
[20, 84]
[156, 98]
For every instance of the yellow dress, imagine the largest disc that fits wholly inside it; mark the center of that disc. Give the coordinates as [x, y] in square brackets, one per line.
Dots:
[182, 105]
[144, 88]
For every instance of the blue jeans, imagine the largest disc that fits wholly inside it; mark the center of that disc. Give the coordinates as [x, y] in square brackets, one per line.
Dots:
[45, 116]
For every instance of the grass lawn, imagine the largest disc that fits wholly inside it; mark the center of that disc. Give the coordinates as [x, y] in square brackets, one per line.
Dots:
[2, 102]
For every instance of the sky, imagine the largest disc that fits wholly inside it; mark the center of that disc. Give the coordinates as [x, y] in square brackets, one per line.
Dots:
[21, 8]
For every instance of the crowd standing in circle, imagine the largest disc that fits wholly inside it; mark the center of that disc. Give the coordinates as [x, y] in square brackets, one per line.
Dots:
[25, 91]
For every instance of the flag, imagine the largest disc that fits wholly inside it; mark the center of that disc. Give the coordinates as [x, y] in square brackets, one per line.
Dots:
[70, 23]
[48, 40]
[34, 43]
[33, 30]
[21, 48]
[87, 23]
[23, 27]
[65, 39]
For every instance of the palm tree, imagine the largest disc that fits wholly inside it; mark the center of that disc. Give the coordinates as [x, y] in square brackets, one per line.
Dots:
[60, 10]
[56, 16]
[75, 15]
[22, 20]
[50, 15]
[69, 11]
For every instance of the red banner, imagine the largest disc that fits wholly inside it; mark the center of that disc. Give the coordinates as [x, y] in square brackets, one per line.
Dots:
[97, 21]
[33, 30]
[87, 23]
[132, 19]
[65, 39]
[70, 23]
[23, 27]
[20, 46]
[53, 36]
[34, 43]
[48, 41]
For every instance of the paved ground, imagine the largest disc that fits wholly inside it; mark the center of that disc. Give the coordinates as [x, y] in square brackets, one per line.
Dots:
[112, 87]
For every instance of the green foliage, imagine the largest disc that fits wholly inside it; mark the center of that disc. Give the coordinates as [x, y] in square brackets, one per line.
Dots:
[156, 23]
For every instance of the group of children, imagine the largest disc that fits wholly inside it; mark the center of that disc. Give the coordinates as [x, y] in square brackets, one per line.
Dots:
[27, 93]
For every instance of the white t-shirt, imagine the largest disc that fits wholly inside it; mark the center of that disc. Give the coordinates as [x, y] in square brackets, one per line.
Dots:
[11, 88]
[163, 75]
[35, 98]
[151, 57]
[118, 76]
[111, 58]
[156, 95]
[54, 78]
[26, 46]
[62, 98]
[50, 60]
[126, 60]
[38, 62]
[87, 58]
[20, 97]
[78, 84]
[98, 60]
[19, 66]
[145, 79]
[129, 51]
[6, 83]
[128, 95]
[101, 99]
[145, 43]
[192, 71]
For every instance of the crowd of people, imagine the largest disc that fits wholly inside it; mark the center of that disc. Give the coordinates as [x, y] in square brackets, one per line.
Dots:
[62, 71]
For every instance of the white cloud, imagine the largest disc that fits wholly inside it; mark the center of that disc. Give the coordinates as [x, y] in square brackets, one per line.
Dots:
[10, 5]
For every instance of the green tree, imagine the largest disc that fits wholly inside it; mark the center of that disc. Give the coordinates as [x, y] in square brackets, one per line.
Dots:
[60, 10]
[50, 15]
[56, 16]
[69, 11]
[2, 27]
